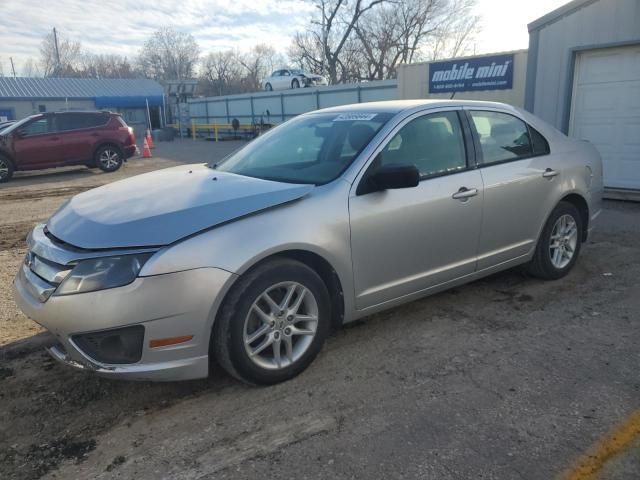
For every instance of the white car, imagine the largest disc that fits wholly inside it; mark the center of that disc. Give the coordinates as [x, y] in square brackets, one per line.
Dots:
[291, 78]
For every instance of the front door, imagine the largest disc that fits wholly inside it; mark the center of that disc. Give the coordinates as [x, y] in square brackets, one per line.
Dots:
[408, 240]
[37, 144]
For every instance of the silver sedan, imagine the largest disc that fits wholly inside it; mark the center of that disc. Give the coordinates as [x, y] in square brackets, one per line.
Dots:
[328, 218]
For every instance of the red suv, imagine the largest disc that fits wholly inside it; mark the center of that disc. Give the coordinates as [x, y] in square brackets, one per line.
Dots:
[94, 139]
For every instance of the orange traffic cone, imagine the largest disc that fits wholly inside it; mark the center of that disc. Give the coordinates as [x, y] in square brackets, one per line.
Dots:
[150, 139]
[146, 151]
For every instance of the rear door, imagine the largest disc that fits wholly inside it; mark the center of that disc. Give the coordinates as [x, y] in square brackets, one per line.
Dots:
[80, 133]
[519, 176]
[37, 144]
[408, 240]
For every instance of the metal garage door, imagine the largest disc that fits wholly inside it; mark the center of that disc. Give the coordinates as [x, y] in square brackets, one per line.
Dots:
[606, 110]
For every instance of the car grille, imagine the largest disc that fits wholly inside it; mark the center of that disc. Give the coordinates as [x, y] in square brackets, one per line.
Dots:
[44, 275]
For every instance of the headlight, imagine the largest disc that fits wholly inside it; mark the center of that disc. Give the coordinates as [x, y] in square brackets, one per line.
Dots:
[102, 273]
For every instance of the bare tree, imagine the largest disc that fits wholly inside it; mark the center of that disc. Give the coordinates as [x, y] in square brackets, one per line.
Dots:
[61, 60]
[106, 66]
[222, 73]
[402, 32]
[323, 45]
[456, 33]
[259, 62]
[356, 40]
[30, 68]
[169, 55]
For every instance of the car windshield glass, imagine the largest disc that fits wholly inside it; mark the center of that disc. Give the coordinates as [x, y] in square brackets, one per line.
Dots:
[312, 149]
[296, 72]
[16, 125]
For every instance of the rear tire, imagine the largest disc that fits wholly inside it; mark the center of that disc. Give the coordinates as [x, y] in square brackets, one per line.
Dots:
[286, 337]
[108, 158]
[559, 243]
[6, 169]
[268, 87]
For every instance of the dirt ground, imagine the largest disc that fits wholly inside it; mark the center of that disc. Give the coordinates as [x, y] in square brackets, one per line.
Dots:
[505, 378]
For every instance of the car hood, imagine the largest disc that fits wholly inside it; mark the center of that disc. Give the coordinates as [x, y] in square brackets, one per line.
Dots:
[161, 207]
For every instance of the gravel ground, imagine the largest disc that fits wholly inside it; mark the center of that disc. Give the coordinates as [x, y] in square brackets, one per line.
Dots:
[505, 378]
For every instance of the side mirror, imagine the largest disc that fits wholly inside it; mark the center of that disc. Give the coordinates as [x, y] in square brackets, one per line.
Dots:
[20, 133]
[392, 176]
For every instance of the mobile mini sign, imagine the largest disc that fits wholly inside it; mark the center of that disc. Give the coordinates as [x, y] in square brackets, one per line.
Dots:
[484, 73]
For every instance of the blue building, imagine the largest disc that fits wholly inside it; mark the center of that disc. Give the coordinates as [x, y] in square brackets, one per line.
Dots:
[21, 97]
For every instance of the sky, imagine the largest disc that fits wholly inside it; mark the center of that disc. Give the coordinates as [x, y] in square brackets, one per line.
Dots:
[122, 26]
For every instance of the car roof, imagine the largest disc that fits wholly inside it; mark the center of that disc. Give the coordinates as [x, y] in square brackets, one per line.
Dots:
[397, 106]
[65, 112]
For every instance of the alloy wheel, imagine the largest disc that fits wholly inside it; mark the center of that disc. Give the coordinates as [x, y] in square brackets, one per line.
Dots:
[281, 325]
[564, 238]
[109, 158]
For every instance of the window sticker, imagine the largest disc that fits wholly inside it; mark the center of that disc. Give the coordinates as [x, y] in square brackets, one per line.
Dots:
[353, 117]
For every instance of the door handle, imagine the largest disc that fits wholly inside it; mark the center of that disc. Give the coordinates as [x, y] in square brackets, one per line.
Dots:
[549, 173]
[465, 193]
[54, 139]
[96, 134]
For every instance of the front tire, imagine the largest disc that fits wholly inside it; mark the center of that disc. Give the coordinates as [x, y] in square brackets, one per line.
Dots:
[295, 83]
[6, 169]
[559, 244]
[273, 323]
[108, 158]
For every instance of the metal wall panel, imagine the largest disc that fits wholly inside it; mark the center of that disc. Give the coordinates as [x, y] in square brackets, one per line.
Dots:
[276, 107]
[598, 24]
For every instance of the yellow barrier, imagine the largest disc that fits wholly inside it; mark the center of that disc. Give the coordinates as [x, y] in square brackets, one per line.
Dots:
[218, 126]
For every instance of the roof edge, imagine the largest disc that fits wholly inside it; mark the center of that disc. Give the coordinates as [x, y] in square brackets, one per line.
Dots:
[558, 13]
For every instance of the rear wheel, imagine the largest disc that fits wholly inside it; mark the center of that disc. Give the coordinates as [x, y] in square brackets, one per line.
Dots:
[273, 323]
[108, 158]
[268, 87]
[6, 169]
[559, 244]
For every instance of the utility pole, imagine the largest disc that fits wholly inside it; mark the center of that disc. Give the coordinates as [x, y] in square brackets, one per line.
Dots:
[55, 42]
[13, 69]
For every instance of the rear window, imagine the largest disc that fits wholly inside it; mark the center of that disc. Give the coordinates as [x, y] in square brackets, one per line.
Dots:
[502, 137]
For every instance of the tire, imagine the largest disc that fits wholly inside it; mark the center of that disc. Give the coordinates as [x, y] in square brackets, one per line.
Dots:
[295, 83]
[240, 319]
[6, 169]
[552, 264]
[268, 87]
[108, 158]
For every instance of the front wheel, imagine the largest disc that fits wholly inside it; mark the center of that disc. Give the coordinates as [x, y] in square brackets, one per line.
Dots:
[273, 323]
[559, 244]
[6, 169]
[108, 158]
[295, 83]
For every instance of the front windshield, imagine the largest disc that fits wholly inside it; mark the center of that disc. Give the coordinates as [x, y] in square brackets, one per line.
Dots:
[297, 72]
[18, 124]
[313, 149]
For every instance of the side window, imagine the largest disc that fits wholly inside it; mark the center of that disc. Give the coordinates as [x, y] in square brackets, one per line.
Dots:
[540, 144]
[286, 73]
[433, 143]
[77, 121]
[37, 127]
[502, 136]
